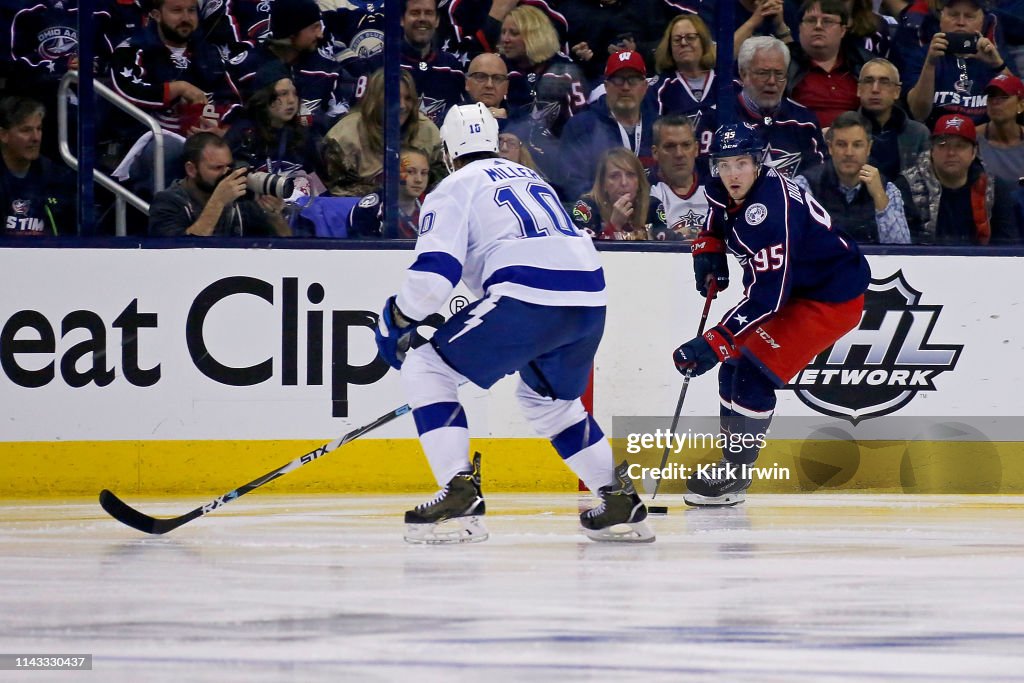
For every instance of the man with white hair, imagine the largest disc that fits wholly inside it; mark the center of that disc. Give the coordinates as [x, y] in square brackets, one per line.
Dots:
[499, 227]
[794, 138]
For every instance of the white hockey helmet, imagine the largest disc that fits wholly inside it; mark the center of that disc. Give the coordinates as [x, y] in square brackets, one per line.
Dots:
[468, 128]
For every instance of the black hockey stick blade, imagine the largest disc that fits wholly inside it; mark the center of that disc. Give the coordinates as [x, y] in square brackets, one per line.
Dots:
[126, 514]
[129, 516]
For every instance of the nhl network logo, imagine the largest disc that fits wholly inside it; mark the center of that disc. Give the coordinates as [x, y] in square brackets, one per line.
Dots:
[879, 367]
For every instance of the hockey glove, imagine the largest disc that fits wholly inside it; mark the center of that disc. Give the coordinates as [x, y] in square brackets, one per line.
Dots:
[394, 334]
[700, 354]
[709, 260]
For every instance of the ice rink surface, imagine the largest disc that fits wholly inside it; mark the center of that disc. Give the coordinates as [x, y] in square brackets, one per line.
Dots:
[790, 589]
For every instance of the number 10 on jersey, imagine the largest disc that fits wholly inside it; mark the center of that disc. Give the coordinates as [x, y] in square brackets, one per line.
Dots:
[534, 224]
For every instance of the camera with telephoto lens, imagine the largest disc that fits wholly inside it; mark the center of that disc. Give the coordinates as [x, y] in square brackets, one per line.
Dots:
[274, 184]
[962, 43]
[277, 185]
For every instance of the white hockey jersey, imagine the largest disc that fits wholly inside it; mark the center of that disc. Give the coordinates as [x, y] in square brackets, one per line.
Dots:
[684, 214]
[500, 228]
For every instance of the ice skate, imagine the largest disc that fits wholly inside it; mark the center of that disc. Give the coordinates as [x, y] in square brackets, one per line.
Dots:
[718, 485]
[619, 517]
[453, 515]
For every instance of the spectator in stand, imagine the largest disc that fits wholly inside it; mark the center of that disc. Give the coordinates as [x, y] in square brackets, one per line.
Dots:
[210, 201]
[356, 33]
[234, 27]
[897, 140]
[439, 77]
[272, 137]
[868, 30]
[354, 148]
[917, 23]
[794, 138]
[296, 33]
[953, 194]
[675, 181]
[477, 23]
[860, 200]
[600, 28]
[44, 47]
[543, 84]
[1001, 140]
[622, 117]
[619, 205]
[512, 148]
[685, 62]
[754, 18]
[824, 68]
[954, 76]
[36, 196]
[168, 71]
[1001, 150]
[366, 220]
[487, 83]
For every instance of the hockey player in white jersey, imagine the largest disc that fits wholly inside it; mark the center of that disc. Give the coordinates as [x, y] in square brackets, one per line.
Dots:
[500, 228]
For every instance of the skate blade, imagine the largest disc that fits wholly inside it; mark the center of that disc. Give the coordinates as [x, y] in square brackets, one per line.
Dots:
[448, 532]
[635, 532]
[728, 500]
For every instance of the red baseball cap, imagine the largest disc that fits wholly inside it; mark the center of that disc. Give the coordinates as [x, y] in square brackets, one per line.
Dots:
[955, 124]
[626, 59]
[1006, 84]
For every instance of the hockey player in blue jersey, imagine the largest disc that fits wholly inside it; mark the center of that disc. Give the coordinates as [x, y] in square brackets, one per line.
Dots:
[500, 228]
[803, 288]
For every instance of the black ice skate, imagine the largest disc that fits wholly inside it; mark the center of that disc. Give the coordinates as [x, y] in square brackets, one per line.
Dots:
[718, 485]
[453, 515]
[620, 515]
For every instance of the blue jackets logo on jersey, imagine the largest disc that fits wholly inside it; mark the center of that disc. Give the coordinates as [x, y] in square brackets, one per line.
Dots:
[880, 366]
[756, 213]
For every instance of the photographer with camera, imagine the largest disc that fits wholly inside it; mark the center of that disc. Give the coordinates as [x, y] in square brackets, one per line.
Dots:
[959, 64]
[212, 198]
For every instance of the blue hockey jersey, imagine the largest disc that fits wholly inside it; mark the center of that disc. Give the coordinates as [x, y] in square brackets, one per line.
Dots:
[786, 244]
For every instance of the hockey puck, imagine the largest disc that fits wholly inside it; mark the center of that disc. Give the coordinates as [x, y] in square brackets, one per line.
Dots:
[657, 510]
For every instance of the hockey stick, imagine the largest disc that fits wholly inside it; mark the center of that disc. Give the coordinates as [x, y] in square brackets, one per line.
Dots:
[712, 290]
[128, 515]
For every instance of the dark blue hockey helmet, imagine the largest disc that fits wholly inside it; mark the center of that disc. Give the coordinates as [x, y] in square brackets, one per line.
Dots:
[737, 139]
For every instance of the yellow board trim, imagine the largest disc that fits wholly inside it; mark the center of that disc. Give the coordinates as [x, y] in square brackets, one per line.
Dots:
[42, 469]
[210, 468]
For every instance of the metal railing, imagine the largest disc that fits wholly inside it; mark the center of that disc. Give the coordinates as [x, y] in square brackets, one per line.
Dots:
[122, 195]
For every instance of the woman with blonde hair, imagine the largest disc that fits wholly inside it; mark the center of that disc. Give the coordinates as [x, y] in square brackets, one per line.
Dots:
[619, 206]
[685, 63]
[354, 147]
[542, 83]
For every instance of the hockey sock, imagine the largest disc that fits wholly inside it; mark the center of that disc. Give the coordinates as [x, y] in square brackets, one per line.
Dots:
[432, 389]
[573, 432]
[749, 413]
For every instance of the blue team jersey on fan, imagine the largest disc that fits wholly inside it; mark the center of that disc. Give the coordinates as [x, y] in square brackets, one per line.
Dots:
[960, 88]
[500, 228]
[787, 246]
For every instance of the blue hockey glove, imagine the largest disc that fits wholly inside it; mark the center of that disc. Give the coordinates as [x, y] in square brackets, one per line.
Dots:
[700, 354]
[709, 260]
[394, 334]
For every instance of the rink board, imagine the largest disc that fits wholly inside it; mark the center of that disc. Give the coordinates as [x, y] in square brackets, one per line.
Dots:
[188, 370]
